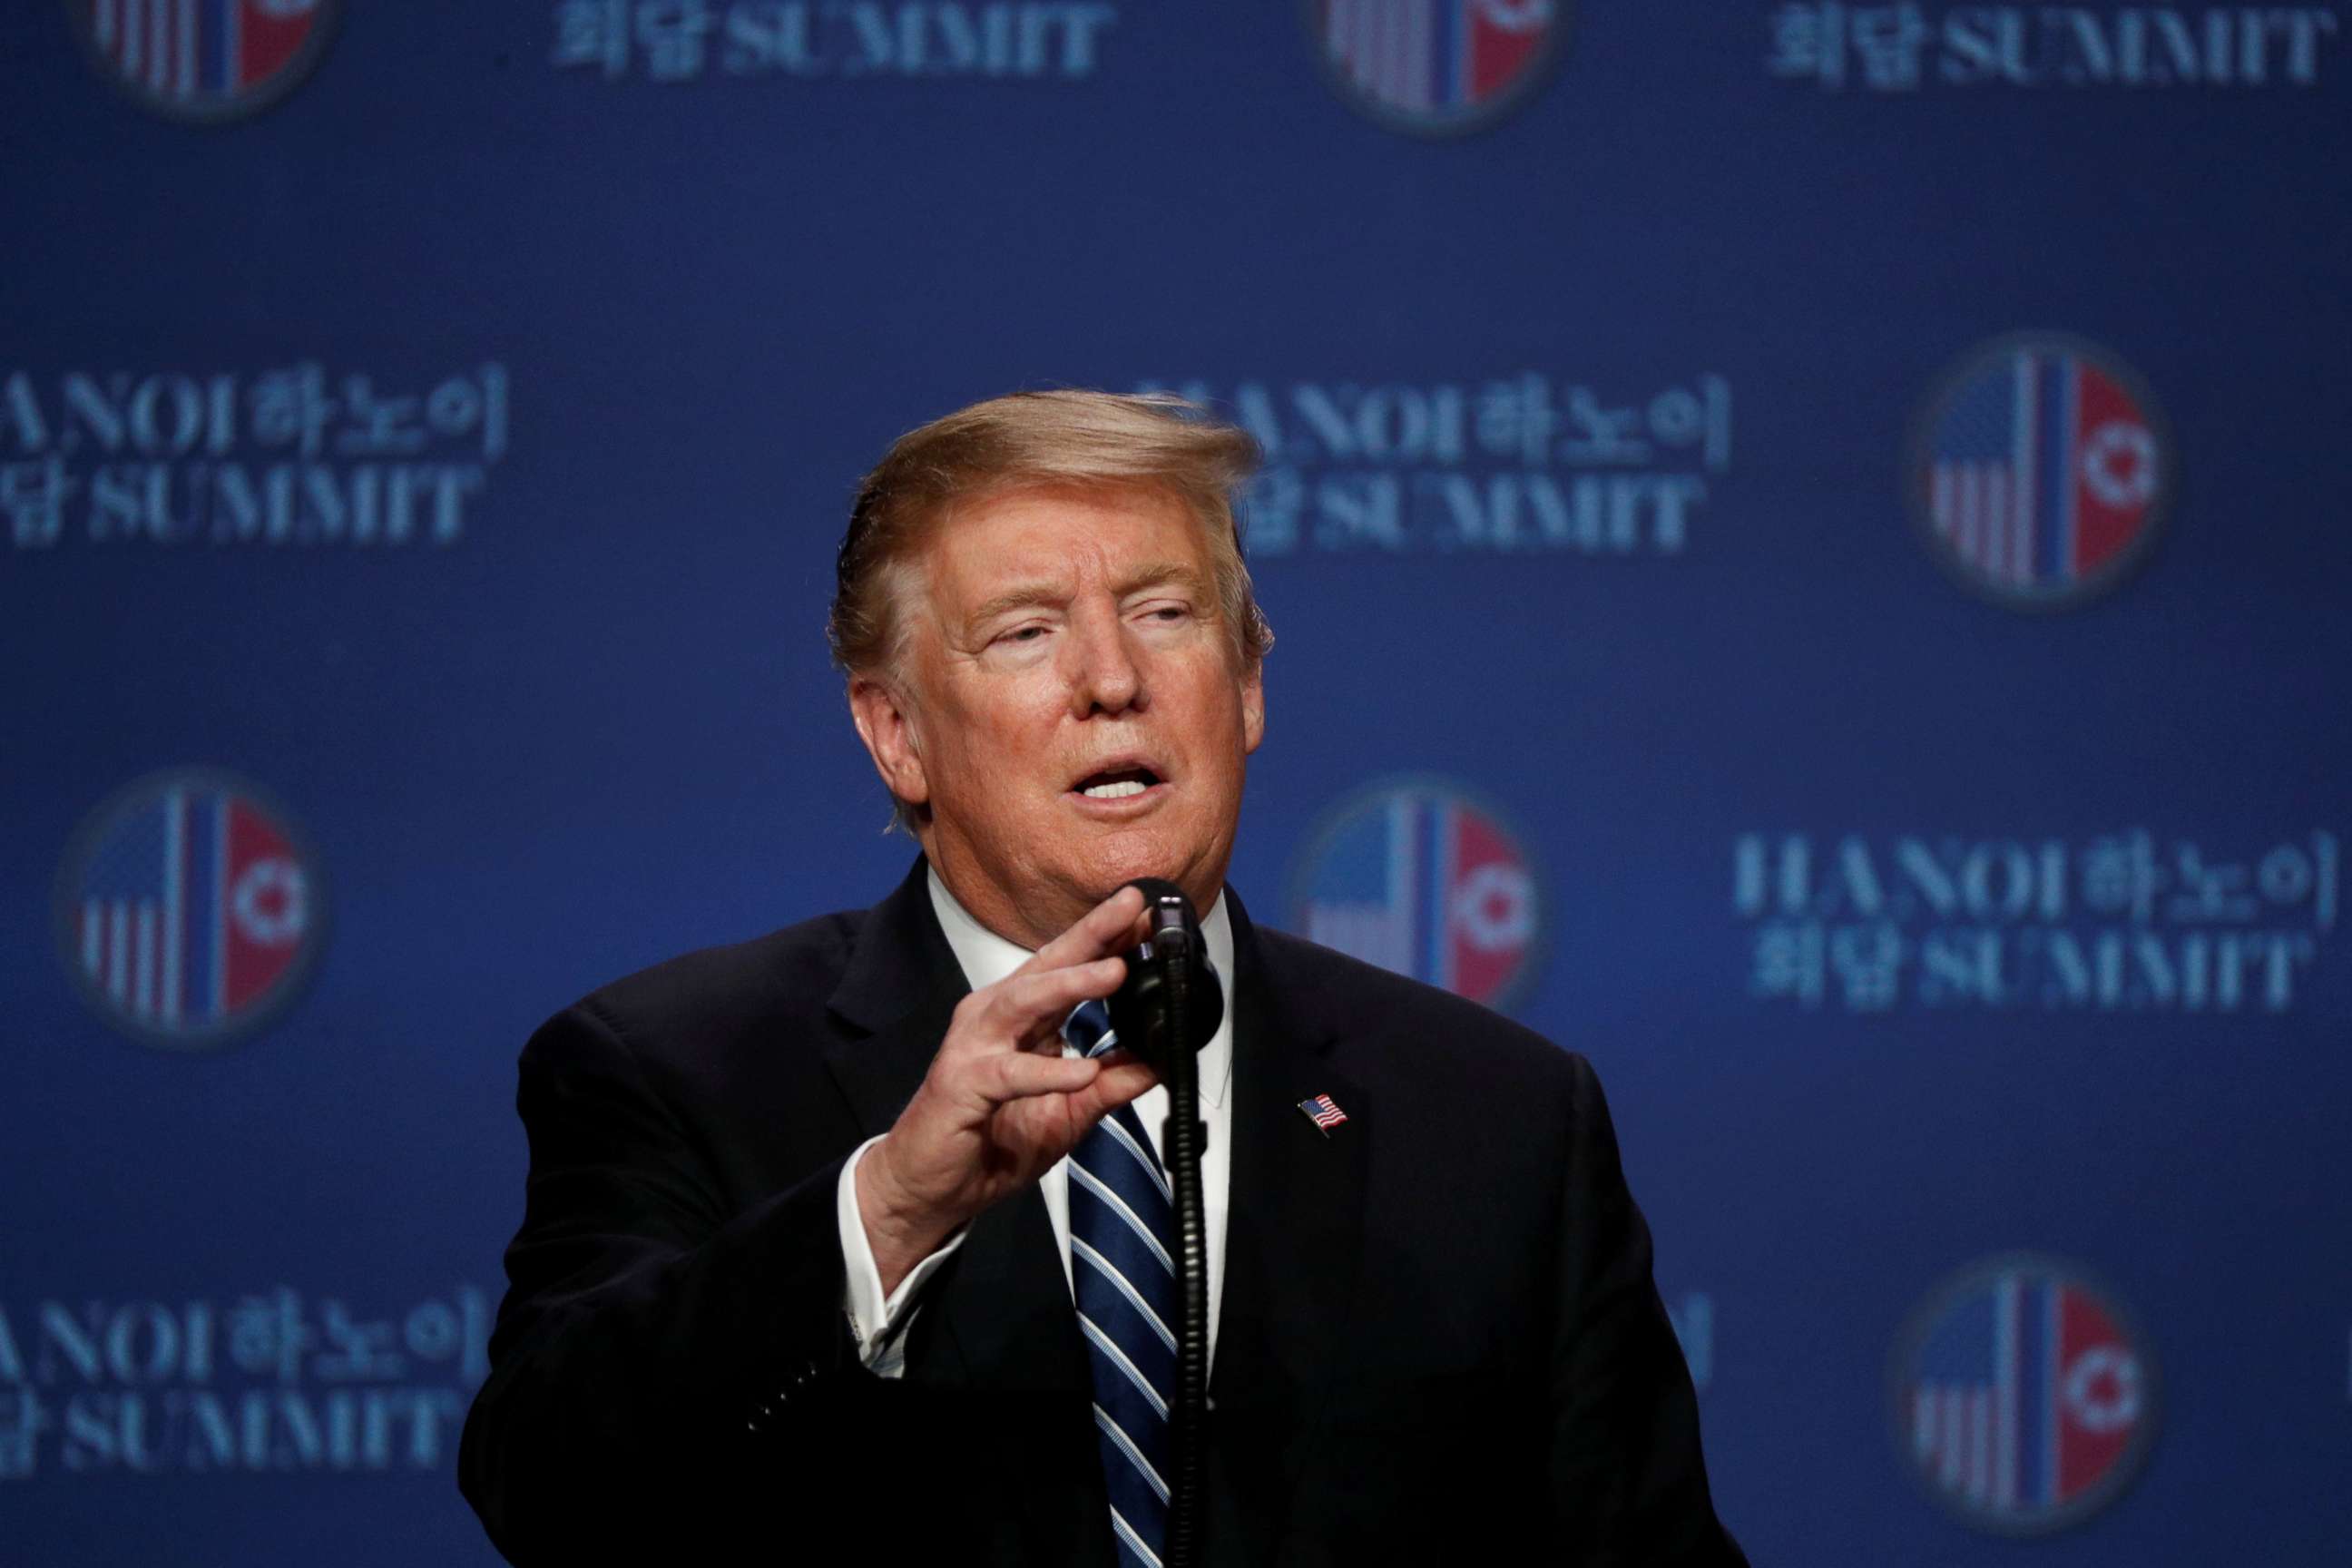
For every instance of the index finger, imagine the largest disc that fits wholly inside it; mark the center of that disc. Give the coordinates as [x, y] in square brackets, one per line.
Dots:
[1099, 934]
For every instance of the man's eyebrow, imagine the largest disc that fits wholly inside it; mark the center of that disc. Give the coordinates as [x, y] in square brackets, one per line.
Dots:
[1158, 573]
[1031, 595]
[1028, 596]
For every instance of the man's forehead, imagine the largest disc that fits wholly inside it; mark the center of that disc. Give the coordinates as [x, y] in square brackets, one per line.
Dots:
[1049, 535]
[1047, 503]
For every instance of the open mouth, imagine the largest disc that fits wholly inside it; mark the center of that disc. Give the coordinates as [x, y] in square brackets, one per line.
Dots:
[1116, 783]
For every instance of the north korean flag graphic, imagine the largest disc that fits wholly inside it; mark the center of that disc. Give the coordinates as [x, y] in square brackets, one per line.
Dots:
[1416, 877]
[1435, 64]
[2044, 474]
[188, 911]
[206, 58]
[2024, 1401]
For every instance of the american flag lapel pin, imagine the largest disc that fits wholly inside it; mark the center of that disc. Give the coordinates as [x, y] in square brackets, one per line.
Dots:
[1323, 1112]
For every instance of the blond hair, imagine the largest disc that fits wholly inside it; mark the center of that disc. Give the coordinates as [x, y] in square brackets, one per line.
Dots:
[1090, 440]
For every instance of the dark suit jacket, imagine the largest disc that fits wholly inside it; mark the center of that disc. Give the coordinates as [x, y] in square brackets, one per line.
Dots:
[1438, 1335]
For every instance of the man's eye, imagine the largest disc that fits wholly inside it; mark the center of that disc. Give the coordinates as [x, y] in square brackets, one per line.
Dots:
[1023, 633]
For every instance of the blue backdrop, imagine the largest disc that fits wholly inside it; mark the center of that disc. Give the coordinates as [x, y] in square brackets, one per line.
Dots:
[1807, 548]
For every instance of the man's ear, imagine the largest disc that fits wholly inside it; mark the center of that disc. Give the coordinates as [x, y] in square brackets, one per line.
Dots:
[1252, 705]
[887, 729]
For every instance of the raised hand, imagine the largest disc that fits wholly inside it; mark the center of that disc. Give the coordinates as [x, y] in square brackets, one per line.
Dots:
[1000, 1103]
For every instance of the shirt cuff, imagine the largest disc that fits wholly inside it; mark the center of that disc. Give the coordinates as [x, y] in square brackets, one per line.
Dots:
[876, 1322]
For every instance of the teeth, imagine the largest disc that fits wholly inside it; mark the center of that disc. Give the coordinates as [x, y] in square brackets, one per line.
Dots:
[1118, 791]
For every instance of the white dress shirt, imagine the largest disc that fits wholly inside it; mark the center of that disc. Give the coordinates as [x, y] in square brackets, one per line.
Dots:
[879, 1324]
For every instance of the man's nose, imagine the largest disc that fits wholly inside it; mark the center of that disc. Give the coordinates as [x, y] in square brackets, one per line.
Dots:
[1106, 676]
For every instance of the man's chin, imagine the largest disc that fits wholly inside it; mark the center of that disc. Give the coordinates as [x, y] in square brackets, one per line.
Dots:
[1114, 861]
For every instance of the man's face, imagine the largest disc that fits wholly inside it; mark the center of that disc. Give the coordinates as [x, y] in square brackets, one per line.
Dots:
[1068, 706]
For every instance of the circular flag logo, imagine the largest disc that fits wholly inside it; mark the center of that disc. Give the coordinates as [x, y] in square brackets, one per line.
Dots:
[1436, 68]
[188, 910]
[205, 60]
[2023, 1397]
[1415, 877]
[2041, 472]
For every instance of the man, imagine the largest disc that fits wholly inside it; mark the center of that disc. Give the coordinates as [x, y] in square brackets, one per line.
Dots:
[838, 1248]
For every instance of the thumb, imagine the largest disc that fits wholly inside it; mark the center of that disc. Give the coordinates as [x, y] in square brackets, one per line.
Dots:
[1115, 1086]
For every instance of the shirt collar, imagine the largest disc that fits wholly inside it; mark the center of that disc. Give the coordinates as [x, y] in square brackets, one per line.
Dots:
[987, 958]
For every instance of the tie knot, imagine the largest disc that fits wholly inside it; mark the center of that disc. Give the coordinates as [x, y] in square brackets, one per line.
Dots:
[1088, 1028]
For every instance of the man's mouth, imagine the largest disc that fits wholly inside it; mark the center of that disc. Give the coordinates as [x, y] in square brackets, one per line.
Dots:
[1116, 783]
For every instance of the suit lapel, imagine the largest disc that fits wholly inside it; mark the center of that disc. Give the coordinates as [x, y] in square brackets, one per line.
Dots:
[997, 1320]
[1003, 1305]
[896, 993]
[1293, 1243]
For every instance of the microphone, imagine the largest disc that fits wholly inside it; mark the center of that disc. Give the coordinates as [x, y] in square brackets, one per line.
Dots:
[1139, 1009]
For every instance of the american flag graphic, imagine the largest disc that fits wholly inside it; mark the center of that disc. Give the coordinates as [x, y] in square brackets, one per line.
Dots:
[2025, 1393]
[191, 52]
[2042, 469]
[1416, 879]
[189, 906]
[1321, 1111]
[1433, 60]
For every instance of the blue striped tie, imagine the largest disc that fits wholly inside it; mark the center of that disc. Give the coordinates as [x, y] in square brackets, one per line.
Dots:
[1122, 1251]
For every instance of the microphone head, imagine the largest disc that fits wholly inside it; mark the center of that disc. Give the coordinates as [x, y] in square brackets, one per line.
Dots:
[1171, 935]
[1167, 910]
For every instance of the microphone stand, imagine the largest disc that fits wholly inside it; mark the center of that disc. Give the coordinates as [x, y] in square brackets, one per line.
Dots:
[1183, 1139]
